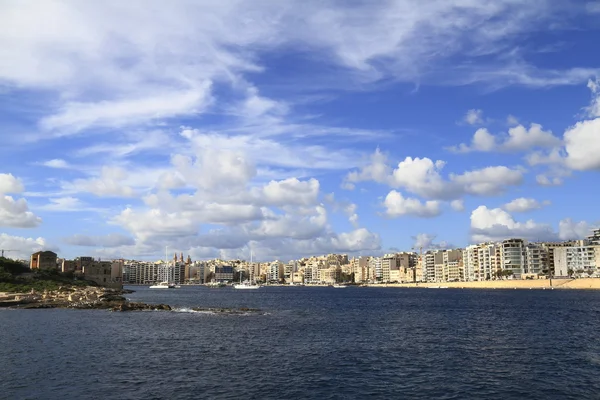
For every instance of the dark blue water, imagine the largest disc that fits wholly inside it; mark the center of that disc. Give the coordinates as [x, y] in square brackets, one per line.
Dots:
[318, 343]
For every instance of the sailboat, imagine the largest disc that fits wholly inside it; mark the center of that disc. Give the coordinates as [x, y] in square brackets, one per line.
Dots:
[165, 284]
[246, 284]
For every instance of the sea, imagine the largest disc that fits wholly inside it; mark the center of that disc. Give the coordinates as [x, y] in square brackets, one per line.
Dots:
[311, 343]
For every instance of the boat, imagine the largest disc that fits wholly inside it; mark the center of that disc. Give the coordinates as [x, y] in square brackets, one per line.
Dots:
[246, 285]
[339, 286]
[163, 285]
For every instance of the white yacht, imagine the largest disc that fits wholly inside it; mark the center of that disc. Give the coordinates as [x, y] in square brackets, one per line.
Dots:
[340, 286]
[163, 285]
[247, 285]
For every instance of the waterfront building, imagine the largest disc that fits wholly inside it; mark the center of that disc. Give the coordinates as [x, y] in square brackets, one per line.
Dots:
[224, 273]
[375, 266]
[360, 267]
[388, 263]
[536, 258]
[275, 273]
[581, 260]
[513, 256]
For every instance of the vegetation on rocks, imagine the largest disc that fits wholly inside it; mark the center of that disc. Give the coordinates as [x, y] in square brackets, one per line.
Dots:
[17, 278]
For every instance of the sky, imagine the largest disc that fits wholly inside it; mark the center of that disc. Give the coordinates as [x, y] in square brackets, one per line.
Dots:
[290, 129]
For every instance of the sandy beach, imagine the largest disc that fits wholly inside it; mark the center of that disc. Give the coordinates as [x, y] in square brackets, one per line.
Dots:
[583, 283]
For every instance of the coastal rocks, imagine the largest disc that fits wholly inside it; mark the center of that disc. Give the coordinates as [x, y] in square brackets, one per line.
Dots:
[129, 306]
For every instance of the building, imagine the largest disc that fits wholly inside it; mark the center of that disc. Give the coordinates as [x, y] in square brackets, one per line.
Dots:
[43, 260]
[360, 267]
[536, 258]
[514, 256]
[275, 273]
[375, 267]
[105, 273]
[224, 273]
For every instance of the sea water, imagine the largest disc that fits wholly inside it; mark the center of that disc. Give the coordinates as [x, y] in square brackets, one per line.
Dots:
[311, 343]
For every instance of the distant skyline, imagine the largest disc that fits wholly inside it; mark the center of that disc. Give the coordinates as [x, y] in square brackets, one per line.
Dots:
[295, 128]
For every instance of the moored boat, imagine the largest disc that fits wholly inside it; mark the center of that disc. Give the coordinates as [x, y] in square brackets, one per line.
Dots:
[163, 285]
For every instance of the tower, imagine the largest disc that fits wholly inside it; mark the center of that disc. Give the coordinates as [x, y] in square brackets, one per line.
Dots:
[181, 257]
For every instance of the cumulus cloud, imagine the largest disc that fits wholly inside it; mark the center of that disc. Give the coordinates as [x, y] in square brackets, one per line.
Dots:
[14, 213]
[422, 176]
[110, 183]
[396, 205]
[376, 170]
[457, 205]
[496, 224]
[544, 180]
[110, 240]
[519, 139]
[571, 230]
[582, 144]
[291, 191]
[425, 241]
[10, 185]
[22, 247]
[523, 204]
[474, 117]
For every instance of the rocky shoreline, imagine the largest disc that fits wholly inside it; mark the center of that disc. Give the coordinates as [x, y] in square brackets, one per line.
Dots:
[93, 298]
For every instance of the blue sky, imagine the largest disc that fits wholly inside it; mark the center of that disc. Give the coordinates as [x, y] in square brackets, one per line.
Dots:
[295, 129]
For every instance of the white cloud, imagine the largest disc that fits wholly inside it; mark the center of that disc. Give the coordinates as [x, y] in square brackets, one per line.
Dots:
[291, 191]
[16, 214]
[489, 181]
[22, 247]
[521, 138]
[511, 120]
[518, 139]
[593, 111]
[424, 241]
[110, 183]
[544, 180]
[66, 204]
[496, 224]
[376, 170]
[583, 145]
[10, 185]
[422, 176]
[523, 204]
[474, 117]
[56, 163]
[77, 116]
[458, 205]
[397, 206]
[571, 230]
[110, 240]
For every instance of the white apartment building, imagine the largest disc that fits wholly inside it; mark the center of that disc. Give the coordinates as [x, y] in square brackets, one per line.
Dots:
[375, 266]
[514, 256]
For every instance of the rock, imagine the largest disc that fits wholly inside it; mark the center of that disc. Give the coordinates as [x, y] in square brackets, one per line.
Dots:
[74, 297]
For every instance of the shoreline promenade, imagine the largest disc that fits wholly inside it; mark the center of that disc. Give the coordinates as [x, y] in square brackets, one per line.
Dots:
[580, 283]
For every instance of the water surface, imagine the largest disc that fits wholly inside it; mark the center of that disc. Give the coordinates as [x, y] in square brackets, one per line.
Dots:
[319, 343]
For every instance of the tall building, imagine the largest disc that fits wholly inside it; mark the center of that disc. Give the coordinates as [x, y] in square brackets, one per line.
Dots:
[375, 267]
[360, 267]
[275, 271]
[514, 256]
